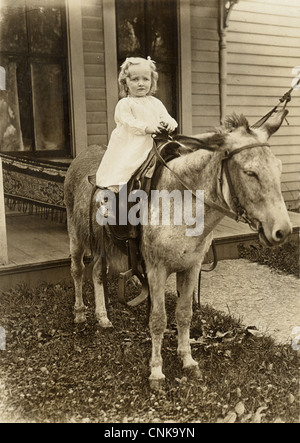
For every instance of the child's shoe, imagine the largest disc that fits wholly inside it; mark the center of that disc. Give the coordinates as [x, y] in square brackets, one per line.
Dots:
[104, 207]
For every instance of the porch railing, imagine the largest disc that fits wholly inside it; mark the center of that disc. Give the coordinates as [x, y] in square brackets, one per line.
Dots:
[3, 234]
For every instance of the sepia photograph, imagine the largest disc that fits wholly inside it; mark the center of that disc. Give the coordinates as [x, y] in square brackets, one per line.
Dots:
[149, 214]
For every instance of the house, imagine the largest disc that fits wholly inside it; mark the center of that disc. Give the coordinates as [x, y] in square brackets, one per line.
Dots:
[59, 65]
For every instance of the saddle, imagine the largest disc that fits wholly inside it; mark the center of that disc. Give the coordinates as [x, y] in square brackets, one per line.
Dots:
[127, 236]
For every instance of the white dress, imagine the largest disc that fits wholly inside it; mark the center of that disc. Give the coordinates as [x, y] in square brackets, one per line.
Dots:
[129, 144]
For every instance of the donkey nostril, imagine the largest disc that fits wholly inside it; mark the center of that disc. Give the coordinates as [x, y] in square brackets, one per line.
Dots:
[281, 232]
[279, 235]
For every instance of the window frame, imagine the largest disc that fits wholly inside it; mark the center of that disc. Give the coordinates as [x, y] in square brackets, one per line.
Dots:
[29, 57]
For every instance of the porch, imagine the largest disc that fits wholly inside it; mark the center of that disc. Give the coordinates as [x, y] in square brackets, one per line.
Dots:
[38, 249]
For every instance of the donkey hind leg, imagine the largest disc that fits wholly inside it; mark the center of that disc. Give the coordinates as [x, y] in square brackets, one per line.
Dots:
[77, 271]
[185, 288]
[158, 322]
[100, 308]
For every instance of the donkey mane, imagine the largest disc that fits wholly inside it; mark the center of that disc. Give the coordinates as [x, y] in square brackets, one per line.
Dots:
[234, 121]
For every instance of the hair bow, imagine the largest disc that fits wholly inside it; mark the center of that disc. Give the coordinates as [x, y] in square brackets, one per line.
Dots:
[149, 59]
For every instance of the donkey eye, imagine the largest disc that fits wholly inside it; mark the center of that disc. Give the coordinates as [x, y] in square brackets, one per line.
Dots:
[251, 174]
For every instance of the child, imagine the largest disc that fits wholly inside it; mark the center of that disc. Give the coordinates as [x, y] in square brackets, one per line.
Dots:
[138, 115]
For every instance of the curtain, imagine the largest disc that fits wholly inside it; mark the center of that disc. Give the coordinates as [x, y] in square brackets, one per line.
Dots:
[10, 127]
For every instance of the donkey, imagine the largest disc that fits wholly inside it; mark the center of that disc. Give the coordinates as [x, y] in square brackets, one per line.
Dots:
[240, 177]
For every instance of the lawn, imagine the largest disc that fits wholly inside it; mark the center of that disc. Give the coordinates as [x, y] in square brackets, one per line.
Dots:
[53, 371]
[284, 258]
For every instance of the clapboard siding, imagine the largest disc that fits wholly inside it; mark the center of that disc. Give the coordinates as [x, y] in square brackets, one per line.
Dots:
[283, 9]
[263, 45]
[280, 39]
[205, 65]
[93, 50]
[237, 48]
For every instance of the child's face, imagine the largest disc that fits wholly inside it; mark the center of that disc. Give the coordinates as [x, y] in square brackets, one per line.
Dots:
[138, 80]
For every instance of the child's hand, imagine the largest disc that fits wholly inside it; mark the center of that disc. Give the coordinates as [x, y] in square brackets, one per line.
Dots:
[167, 127]
[154, 129]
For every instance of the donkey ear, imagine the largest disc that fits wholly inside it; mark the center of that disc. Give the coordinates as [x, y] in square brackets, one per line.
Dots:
[206, 140]
[211, 139]
[274, 122]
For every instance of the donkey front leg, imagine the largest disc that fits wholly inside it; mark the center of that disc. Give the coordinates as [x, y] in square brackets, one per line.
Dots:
[185, 288]
[158, 322]
[100, 308]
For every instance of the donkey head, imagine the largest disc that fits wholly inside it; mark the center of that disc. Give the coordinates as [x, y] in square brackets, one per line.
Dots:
[255, 176]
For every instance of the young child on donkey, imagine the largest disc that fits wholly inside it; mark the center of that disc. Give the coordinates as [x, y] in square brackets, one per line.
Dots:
[138, 115]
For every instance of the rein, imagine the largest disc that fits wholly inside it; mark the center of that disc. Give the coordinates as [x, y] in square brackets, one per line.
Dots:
[240, 213]
[285, 99]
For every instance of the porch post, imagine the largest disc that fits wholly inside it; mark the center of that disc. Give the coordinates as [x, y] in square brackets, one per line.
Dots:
[76, 77]
[225, 10]
[223, 64]
[3, 238]
[185, 57]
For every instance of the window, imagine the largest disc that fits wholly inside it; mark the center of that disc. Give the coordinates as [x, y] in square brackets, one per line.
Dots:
[33, 52]
[149, 28]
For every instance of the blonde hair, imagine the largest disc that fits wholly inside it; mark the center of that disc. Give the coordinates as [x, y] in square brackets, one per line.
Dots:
[123, 89]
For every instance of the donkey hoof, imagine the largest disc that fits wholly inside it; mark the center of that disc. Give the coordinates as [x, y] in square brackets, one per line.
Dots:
[193, 372]
[157, 379]
[103, 322]
[80, 315]
[105, 325]
[157, 385]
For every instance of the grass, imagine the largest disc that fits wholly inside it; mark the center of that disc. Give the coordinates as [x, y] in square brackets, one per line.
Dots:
[52, 371]
[283, 258]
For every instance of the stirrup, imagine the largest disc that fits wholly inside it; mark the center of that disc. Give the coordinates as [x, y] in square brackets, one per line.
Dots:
[124, 277]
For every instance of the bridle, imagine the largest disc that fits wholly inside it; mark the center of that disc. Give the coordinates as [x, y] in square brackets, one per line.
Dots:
[239, 213]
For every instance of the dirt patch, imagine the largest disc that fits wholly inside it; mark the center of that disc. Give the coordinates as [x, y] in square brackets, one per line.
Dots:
[255, 294]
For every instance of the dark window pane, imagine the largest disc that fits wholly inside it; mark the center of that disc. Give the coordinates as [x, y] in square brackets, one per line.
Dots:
[45, 27]
[25, 103]
[161, 29]
[165, 90]
[131, 28]
[13, 26]
[149, 28]
[33, 106]
[48, 107]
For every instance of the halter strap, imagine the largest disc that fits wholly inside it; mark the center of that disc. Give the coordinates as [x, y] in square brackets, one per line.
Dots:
[230, 154]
